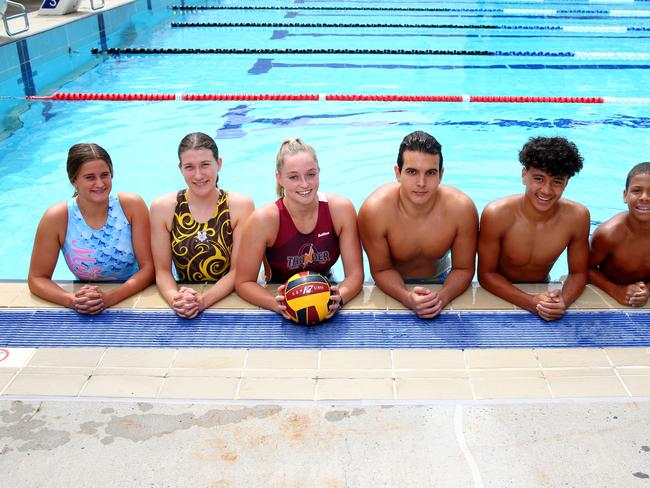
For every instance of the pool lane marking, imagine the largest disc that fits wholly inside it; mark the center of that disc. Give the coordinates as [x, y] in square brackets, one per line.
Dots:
[462, 444]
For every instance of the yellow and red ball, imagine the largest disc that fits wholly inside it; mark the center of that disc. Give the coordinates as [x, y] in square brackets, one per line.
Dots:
[307, 296]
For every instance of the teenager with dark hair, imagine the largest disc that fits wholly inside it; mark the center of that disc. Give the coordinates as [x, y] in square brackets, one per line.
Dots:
[521, 236]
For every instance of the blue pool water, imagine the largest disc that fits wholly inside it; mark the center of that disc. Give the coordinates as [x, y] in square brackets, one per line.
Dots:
[356, 141]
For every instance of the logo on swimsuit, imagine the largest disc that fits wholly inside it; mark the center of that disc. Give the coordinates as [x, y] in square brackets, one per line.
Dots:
[307, 255]
[201, 236]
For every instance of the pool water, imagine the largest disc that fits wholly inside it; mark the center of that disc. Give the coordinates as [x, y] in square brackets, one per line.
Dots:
[356, 142]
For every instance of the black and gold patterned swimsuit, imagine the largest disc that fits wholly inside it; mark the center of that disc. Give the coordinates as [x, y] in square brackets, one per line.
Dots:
[201, 251]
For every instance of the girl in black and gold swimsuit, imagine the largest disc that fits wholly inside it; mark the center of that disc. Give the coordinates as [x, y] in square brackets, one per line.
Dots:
[201, 251]
[197, 229]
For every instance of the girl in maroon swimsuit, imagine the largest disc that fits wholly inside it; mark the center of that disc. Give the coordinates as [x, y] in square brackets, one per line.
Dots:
[304, 230]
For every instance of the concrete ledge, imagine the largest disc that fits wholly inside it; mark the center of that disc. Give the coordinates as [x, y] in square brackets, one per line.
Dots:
[15, 294]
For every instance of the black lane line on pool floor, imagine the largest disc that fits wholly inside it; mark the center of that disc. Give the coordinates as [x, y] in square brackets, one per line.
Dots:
[395, 330]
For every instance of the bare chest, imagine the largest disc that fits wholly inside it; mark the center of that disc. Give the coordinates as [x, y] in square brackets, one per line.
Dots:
[630, 260]
[431, 239]
[535, 245]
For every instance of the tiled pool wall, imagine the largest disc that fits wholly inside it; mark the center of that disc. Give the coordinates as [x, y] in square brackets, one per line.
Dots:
[41, 63]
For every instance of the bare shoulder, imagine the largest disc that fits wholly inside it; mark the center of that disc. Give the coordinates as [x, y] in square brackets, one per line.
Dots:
[262, 225]
[263, 216]
[386, 195]
[612, 230]
[56, 214]
[574, 209]
[504, 208]
[131, 201]
[239, 201]
[456, 199]
[164, 203]
[339, 203]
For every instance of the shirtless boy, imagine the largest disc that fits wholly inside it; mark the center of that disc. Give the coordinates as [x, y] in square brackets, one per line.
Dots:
[620, 247]
[523, 235]
[409, 228]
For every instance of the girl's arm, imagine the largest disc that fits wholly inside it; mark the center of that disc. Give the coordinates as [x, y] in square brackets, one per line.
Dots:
[241, 208]
[47, 245]
[260, 232]
[162, 211]
[138, 216]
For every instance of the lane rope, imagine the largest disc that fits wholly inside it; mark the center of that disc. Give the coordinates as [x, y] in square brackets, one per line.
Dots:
[516, 11]
[427, 52]
[119, 97]
[417, 52]
[567, 28]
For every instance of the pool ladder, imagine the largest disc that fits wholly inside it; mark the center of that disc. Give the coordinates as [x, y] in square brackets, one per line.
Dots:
[6, 18]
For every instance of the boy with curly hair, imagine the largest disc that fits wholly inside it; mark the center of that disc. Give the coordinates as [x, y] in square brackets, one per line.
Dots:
[521, 236]
[620, 261]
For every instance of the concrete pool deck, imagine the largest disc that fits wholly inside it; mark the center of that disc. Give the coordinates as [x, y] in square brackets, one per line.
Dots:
[324, 374]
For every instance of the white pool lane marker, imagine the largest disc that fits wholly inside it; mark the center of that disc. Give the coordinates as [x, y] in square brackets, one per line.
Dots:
[462, 443]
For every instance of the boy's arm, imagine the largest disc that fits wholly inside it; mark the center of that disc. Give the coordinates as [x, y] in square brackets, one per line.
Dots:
[492, 229]
[463, 254]
[601, 247]
[372, 229]
[577, 259]
[345, 215]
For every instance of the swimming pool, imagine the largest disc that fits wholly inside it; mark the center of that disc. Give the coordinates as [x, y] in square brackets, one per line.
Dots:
[356, 141]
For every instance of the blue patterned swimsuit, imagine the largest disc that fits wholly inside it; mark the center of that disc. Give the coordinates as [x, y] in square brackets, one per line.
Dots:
[105, 254]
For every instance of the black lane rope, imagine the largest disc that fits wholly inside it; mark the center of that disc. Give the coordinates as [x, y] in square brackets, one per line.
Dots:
[298, 7]
[390, 26]
[293, 24]
[374, 9]
[428, 52]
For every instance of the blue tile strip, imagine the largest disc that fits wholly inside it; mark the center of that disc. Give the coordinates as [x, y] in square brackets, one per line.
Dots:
[102, 31]
[368, 330]
[26, 68]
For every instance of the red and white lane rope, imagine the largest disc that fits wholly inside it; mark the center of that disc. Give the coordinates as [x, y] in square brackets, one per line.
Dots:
[119, 97]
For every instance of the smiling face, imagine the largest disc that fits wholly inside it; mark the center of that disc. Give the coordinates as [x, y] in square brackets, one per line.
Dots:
[420, 176]
[93, 182]
[543, 190]
[299, 177]
[200, 170]
[637, 197]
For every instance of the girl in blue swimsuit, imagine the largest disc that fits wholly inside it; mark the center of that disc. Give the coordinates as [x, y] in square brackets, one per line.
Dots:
[102, 236]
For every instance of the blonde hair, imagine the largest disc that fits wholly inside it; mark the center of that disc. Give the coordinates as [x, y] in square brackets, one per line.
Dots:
[289, 147]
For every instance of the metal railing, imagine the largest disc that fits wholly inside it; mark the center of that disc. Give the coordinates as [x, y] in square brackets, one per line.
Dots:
[4, 5]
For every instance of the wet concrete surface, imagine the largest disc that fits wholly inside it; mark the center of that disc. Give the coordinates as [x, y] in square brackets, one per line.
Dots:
[59, 443]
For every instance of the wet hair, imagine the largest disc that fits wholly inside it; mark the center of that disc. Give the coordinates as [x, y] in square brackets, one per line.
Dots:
[198, 140]
[639, 169]
[421, 142]
[82, 153]
[557, 156]
[289, 147]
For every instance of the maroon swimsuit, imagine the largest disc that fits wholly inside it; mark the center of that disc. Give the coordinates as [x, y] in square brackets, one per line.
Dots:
[293, 251]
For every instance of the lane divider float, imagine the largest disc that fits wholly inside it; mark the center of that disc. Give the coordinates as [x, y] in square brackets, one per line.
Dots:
[120, 97]
[511, 11]
[426, 52]
[566, 28]
[114, 51]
